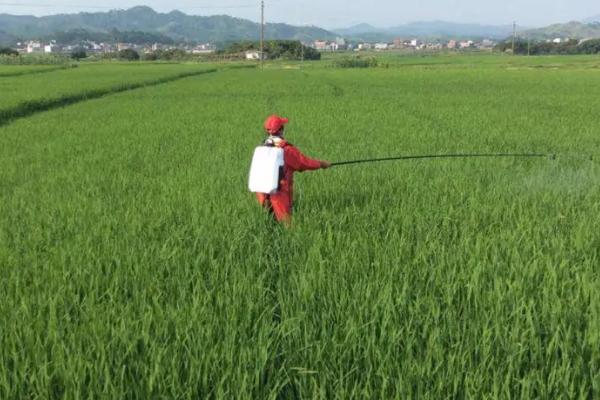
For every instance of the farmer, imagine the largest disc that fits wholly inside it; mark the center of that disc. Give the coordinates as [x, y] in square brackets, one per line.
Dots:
[280, 203]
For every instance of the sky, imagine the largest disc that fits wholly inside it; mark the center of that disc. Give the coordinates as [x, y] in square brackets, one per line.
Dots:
[341, 13]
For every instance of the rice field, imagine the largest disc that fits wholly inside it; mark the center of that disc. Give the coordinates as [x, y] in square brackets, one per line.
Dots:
[135, 264]
[32, 91]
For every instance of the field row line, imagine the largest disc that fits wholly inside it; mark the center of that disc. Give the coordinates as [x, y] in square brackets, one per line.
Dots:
[32, 107]
[35, 71]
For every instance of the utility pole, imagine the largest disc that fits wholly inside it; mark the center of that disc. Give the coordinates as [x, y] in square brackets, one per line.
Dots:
[262, 32]
[514, 36]
[528, 45]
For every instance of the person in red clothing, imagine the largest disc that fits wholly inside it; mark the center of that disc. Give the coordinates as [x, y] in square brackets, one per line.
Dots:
[281, 203]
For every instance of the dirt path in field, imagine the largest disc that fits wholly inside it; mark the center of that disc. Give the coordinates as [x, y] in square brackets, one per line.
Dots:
[30, 108]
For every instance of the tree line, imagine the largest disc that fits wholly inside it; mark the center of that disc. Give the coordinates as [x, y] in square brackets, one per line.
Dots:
[534, 48]
[275, 49]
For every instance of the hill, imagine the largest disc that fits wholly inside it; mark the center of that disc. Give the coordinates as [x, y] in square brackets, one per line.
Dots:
[358, 29]
[6, 39]
[573, 30]
[426, 29]
[176, 25]
[592, 19]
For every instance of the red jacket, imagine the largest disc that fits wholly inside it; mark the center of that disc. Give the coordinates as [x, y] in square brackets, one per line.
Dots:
[294, 161]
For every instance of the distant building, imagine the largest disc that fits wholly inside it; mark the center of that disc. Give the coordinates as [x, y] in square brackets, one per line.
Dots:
[21, 47]
[320, 44]
[34, 47]
[124, 46]
[434, 46]
[381, 46]
[205, 48]
[324, 45]
[452, 44]
[414, 43]
[95, 47]
[486, 43]
[51, 48]
[398, 44]
[254, 55]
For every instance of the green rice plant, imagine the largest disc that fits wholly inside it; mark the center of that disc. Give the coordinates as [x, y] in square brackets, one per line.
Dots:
[34, 59]
[22, 97]
[356, 62]
[12, 71]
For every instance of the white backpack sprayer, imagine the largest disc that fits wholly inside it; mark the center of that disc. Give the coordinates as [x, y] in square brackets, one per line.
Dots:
[266, 169]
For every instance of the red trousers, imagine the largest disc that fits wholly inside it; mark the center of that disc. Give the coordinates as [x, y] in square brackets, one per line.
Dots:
[280, 204]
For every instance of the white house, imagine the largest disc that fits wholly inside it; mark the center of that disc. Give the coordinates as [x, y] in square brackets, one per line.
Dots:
[205, 51]
[124, 46]
[324, 45]
[381, 46]
[487, 43]
[434, 46]
[205, 48]
[254, 55]
[96, 47]
[320, 45]
[107, 47]
[34, 47]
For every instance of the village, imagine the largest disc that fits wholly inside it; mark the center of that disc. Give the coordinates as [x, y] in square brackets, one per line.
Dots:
[340, 44]
[92, 47]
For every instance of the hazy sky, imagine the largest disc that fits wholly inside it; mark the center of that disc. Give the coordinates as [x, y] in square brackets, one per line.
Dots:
[341, 13]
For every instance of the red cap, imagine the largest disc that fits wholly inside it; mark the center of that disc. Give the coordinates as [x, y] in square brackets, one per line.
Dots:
[274, 123]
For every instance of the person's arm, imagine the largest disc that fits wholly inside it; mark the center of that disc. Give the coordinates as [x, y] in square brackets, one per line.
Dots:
[297, 161]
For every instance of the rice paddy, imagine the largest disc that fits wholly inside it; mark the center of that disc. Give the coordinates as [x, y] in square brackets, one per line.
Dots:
[135, 264]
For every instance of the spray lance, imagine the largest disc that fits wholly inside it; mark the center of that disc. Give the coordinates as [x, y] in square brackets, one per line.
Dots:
[465, 155]
[268, 162]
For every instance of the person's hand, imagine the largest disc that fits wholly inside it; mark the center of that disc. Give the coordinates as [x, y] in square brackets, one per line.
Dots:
[325, 164]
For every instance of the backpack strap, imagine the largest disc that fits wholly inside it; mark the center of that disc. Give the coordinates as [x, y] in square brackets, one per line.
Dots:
[275, 141]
